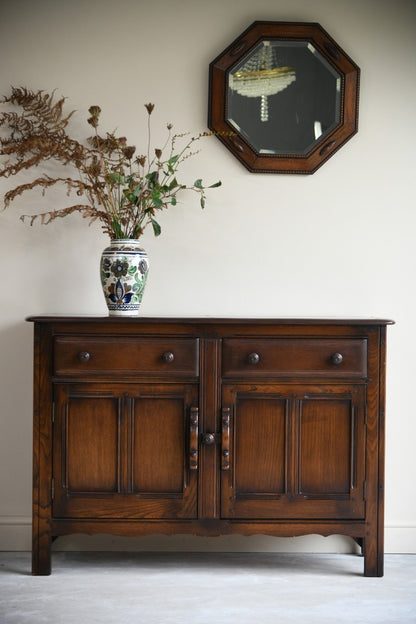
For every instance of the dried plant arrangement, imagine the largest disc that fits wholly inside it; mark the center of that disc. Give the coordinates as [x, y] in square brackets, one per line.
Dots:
[113, 185]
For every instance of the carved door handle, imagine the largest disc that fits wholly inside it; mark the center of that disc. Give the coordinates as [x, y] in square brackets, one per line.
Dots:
[225, 438]
[193, 438]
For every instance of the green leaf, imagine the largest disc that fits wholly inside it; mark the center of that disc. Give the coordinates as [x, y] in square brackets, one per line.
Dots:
[115, 225]
[152, 178]
[215, 185]
[171, 162]
[156, 198]
[114, 176]
[202, 201]
[129, 195]
[156, 227]
[198, 183]
[173, 201]
[173, 184]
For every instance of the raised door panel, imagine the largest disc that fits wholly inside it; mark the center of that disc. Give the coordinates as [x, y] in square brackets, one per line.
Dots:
[92, 441]
[124, 451]
[158, 445]
[260, 446]
[326, 447]
[294, 452]
[330, 453]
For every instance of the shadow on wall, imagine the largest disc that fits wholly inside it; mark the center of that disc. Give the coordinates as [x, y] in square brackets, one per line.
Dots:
[16, 367]
[16, 381]
[224, 543]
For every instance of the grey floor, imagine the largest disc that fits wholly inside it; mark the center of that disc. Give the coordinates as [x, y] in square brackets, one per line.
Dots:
[206, 588]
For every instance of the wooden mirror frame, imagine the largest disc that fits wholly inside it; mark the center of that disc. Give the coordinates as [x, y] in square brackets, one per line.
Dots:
[324, 147]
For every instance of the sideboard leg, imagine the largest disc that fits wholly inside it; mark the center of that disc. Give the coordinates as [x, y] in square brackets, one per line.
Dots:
[41, 554]
[373, 557]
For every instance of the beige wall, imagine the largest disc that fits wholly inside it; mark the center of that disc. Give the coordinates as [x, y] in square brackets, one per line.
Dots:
[338, 243]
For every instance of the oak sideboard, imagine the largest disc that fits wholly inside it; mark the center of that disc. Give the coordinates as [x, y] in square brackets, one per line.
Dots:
[208, 427]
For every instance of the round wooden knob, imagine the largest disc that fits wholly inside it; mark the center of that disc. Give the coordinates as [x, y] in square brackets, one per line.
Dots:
[168, 357]
[84, 356]
[336, 358]
[253, 358]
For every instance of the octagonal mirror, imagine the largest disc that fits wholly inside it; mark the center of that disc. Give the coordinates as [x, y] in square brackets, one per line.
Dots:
[283, 97]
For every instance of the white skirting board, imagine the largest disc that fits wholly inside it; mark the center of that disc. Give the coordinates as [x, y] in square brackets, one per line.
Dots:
[15, 535]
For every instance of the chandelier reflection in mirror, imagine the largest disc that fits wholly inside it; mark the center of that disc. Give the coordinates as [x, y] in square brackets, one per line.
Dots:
[260, 76]
[299, 94]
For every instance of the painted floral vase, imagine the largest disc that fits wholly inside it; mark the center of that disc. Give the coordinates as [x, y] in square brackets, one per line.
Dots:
[124, 269]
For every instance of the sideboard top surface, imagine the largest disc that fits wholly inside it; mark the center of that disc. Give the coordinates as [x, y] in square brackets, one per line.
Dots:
[56, 318]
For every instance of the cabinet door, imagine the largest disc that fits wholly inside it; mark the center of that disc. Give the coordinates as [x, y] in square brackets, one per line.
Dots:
[294, 452]
[125, 451]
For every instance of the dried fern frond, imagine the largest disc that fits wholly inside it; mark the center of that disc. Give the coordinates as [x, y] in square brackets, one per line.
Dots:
[40, 105]
[123, 194]
[48, 217]
[18, 125]
[46, 182]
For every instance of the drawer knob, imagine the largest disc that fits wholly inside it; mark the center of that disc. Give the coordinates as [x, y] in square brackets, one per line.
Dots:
[336, 358]
[83, 356]
[253, 358]
[168, 357]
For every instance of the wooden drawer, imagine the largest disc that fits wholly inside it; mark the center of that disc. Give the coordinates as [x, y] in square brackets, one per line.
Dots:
[251, 357]
[76, 355]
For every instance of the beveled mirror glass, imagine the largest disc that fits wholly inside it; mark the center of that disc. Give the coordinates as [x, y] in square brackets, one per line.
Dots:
[283, 97]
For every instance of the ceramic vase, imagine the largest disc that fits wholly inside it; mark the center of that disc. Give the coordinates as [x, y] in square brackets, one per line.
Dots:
[124, 269]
